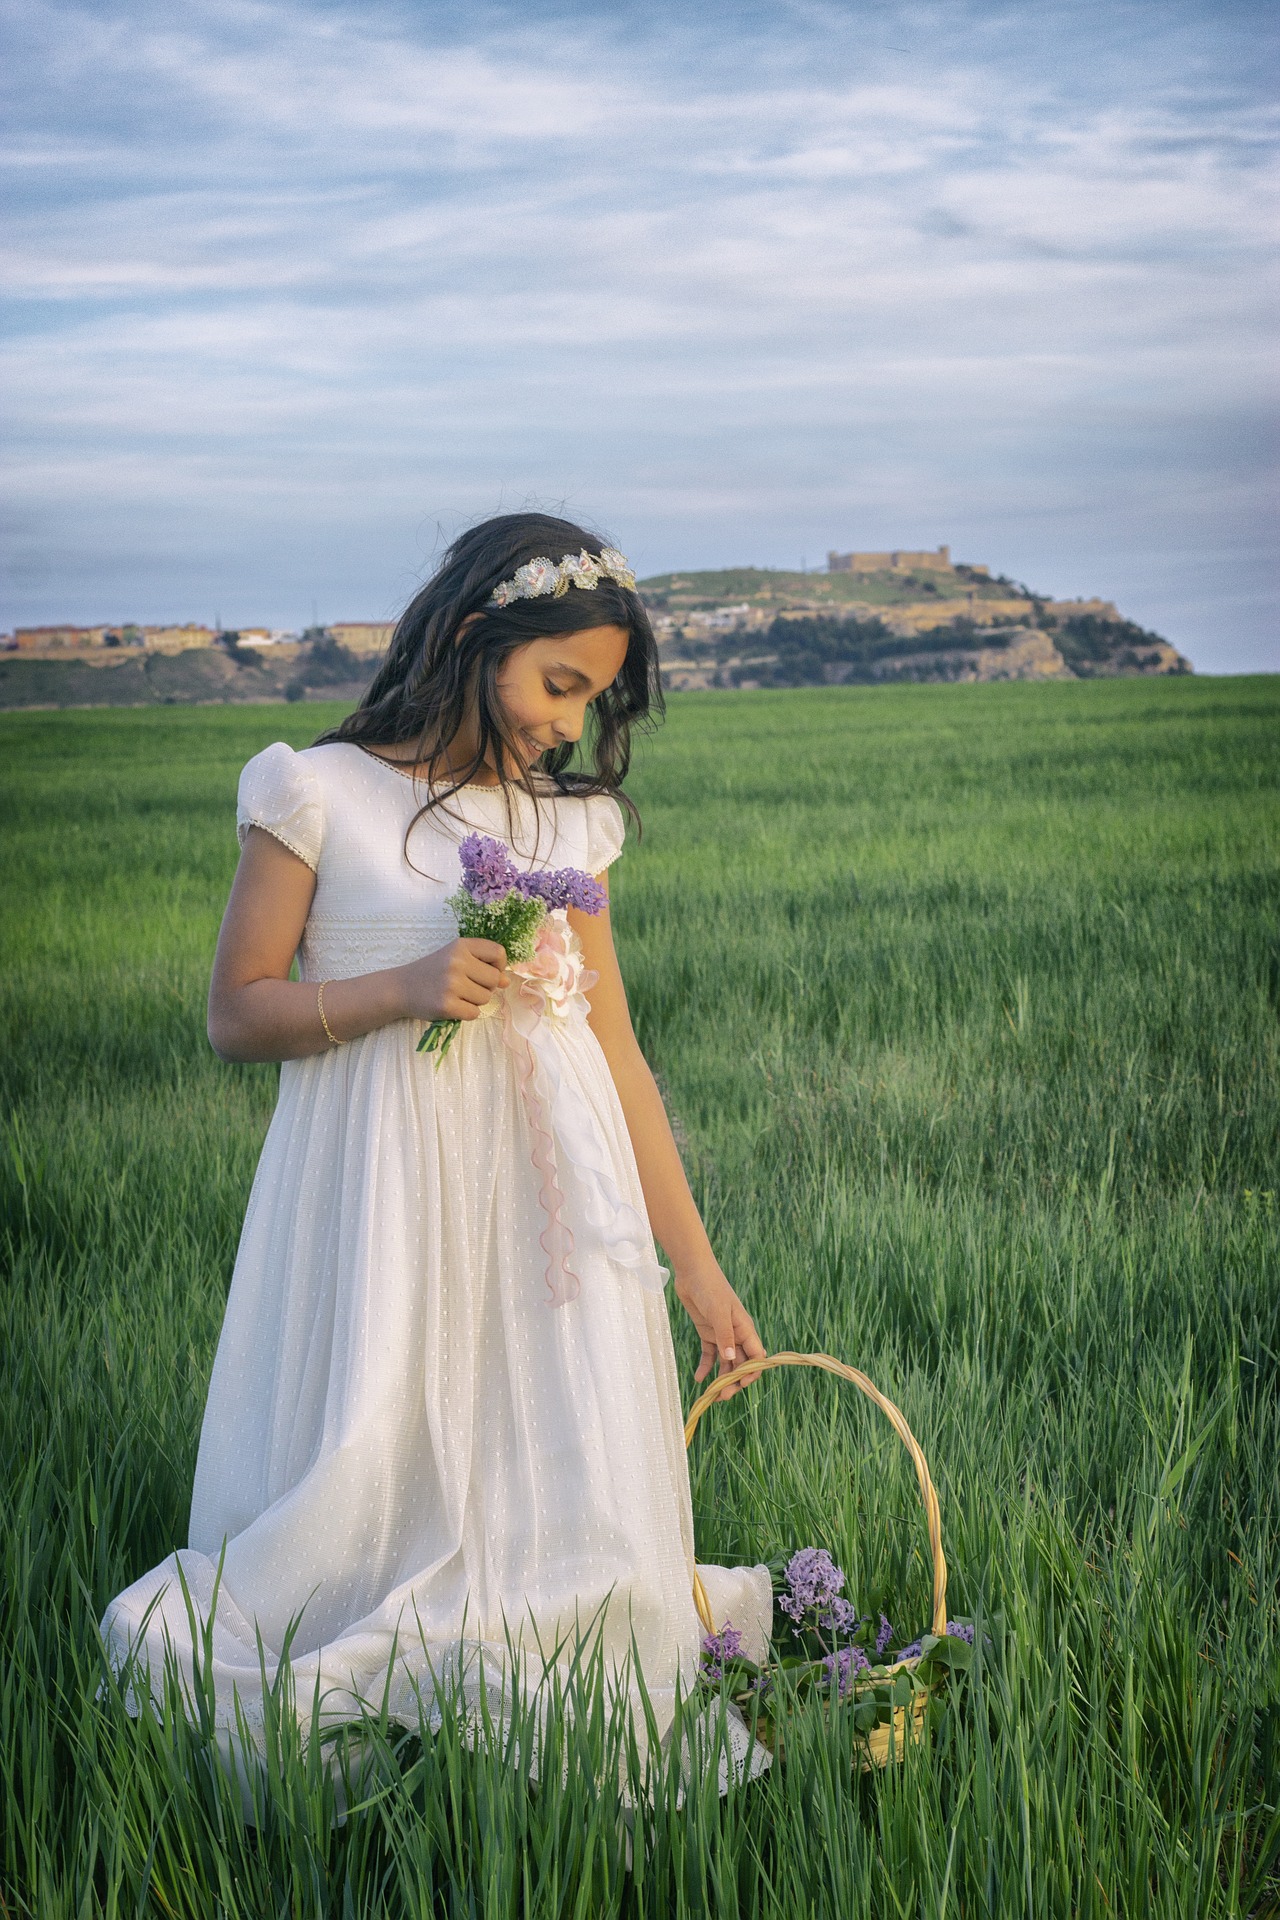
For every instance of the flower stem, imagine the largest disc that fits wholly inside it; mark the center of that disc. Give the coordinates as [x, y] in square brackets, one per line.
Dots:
[438, 1038]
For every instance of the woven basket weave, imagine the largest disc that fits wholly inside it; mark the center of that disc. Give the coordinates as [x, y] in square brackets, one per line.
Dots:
[886, 1741]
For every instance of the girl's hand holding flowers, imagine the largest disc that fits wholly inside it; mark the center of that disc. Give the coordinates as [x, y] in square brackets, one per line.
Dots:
[456, 982]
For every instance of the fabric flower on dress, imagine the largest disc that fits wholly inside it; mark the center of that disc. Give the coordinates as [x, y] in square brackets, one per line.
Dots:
[557, 970]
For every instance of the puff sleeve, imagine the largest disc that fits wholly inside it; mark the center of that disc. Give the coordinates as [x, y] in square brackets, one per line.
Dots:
[606, 831]
[280, 792]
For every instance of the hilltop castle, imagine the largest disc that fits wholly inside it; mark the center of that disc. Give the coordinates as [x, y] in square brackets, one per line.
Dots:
[897, 562]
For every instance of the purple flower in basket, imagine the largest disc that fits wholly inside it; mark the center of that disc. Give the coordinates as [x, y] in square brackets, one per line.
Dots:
[814, 1581]
[956, 1630]
[883, 1638]
[841, 1667]
[840, 1617]
[719, 1647]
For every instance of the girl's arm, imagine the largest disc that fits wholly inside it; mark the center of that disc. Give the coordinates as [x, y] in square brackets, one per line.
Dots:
[257, 1013]
[724, 1326]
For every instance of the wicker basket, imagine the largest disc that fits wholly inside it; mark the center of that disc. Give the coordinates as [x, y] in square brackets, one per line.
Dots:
[888, 1739]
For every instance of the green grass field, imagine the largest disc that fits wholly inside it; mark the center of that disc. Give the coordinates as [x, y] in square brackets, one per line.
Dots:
[965, 1000]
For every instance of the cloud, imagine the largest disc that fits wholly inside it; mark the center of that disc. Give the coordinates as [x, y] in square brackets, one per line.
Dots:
[760, 268]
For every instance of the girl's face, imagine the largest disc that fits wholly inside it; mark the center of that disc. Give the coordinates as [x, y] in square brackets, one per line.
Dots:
[547, 686]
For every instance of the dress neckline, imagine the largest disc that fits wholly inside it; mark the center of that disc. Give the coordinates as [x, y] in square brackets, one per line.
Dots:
[406, 773]
[549, 792]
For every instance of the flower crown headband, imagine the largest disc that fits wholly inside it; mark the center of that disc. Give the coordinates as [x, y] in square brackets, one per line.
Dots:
[585, 570]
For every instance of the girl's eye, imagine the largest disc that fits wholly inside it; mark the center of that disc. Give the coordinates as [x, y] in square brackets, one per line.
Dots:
[559, 692]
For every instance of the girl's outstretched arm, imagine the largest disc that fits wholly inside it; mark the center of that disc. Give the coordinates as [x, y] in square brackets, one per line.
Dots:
[724, 1326]
[256, 1012]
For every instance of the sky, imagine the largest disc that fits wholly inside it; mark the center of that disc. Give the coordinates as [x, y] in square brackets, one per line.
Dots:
[294, 291]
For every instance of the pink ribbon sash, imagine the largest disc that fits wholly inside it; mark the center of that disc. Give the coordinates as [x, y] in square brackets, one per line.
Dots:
[549, 1001]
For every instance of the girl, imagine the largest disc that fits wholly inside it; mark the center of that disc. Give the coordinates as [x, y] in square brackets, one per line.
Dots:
[444, 1412]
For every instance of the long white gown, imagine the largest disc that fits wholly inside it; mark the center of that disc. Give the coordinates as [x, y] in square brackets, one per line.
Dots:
[407, 1446]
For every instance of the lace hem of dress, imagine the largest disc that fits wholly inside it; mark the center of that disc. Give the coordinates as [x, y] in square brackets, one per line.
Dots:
[276, 833]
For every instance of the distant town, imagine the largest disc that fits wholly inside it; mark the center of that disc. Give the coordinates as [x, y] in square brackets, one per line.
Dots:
[60, 642]
[870, 618]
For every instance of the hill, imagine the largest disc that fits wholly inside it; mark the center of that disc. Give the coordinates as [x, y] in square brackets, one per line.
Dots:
[201, 676]
[759, 627]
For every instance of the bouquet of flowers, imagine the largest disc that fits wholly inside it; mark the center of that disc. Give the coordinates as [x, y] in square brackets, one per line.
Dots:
[834, 1649]
[498, 901]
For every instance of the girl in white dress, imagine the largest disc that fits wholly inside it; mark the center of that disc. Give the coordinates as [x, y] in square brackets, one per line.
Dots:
[444, 1414]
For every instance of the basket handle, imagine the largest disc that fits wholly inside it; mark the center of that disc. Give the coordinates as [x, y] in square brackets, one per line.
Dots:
[749, 1370]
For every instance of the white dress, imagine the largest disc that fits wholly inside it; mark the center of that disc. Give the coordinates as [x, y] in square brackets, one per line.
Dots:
[406, 1444]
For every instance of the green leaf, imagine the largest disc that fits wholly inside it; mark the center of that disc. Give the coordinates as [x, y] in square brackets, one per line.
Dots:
[950, 1652]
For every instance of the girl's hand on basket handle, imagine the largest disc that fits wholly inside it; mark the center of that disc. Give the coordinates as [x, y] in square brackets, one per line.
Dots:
[725, 1328]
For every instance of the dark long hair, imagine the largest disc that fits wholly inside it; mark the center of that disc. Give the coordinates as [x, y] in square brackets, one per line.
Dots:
[423, 692]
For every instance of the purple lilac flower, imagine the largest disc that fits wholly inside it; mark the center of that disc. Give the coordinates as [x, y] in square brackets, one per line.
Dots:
[883, 1638]
[813, 1580]
[719, 1647]
[956, 1629]
[841, 1667]
[564, 887]
[488, 873]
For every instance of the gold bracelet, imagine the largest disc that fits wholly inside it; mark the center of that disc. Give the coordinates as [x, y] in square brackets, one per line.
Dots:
[330, 1035]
